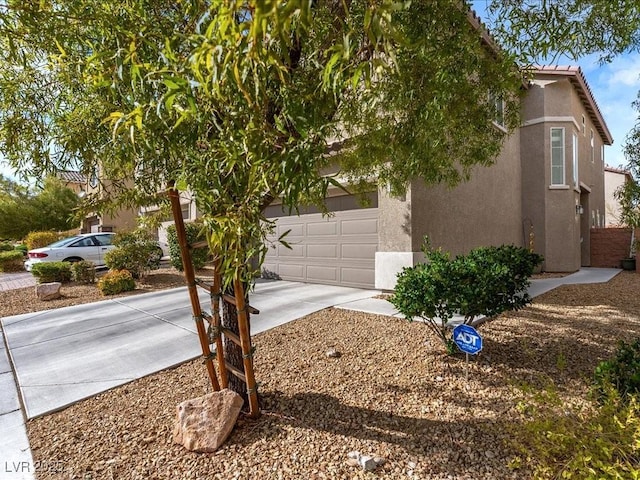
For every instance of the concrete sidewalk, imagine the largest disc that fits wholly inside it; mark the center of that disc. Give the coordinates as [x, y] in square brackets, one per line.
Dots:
[65, 355]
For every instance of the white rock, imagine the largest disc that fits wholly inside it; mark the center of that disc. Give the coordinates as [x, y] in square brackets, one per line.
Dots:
[48, 291]
[368, 463]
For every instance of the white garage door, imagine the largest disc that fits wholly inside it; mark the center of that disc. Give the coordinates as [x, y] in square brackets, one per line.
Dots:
[339, 250]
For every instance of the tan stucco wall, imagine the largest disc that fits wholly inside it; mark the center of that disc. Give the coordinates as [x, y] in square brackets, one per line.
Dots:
[486, 210]
[394, 222]
[561, 234]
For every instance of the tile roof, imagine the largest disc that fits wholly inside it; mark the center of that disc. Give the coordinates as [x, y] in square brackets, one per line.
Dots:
[72, 176]
[577, 78]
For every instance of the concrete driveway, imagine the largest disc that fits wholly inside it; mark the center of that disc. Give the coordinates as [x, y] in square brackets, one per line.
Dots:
[64, 355]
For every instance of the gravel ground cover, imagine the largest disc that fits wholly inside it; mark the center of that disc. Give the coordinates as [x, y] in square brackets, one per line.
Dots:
[392, 392]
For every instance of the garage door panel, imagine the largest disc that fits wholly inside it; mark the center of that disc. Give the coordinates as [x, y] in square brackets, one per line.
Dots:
[337, 251]
[329, 250]
[294, 251]
[293, 272]
[358, 276]
[322, 228]
[316, 273]
[295, 230]
[358, 251]
[359, 227]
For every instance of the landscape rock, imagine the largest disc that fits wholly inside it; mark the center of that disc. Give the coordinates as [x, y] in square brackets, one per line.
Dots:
[333, 353]
[204, 423]
[48, 291]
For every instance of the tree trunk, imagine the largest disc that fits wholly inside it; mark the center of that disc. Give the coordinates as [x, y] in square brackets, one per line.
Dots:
[233, 352]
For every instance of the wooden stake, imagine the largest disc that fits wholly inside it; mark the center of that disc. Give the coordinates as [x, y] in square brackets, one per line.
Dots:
[216, 291]
[245, 339]
[190, 279]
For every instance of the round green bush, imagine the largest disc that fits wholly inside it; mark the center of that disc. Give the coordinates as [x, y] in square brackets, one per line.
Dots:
[11, 261]
[47, 272]
[116, 281]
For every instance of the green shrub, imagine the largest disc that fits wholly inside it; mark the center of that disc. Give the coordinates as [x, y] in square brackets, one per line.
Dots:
[195, 233]
[486, 282]
[589, 442]
[40, 239]
[5, 247]
[135, 251]
[116, 281]
[83, 272]
[11, 261]
[622, 372]
[22, 248]
[46, 272]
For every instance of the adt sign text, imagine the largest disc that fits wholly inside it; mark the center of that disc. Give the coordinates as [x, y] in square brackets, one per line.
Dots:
[467, 339]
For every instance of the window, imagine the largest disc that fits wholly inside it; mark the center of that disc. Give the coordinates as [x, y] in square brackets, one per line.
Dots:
[575, 161]
[584, 126]
[497, 103]
[557, 156]
[593, 148]
[93, 179]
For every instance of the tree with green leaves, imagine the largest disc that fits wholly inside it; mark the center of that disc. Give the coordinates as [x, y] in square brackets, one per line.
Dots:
[544, 30]
[237, 101]
[51, 207]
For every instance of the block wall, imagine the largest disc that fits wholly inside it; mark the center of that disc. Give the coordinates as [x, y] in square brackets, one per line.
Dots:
[609, 246]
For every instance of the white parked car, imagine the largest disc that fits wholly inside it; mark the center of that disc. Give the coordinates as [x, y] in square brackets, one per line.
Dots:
[86, 246]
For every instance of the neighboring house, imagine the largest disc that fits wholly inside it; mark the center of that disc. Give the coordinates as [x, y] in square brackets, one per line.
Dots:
[73, 180]
[614, 178]
[123, 219]
[545, 191]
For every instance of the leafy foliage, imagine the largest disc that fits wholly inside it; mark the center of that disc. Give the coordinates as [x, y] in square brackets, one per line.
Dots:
[622, 372]
[46, 272]
[575, 28]
[116, 281]
[5, 247]
[11, 261]
[48, 208]
[136, 251]
[83, 272]
[486, 282]
[195, 232]
[579, 442]
[40, 239]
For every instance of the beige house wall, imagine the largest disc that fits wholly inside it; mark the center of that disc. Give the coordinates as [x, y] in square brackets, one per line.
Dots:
[561, 215]
[486, 210]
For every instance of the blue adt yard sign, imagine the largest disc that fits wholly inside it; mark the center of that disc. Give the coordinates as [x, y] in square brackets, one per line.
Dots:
[467, 339]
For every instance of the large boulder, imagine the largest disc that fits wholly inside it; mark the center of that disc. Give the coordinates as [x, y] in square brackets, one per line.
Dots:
[48, 291]
[204, 423]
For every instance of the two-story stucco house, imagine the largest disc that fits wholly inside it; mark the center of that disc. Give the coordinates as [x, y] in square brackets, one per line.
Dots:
[545, 191]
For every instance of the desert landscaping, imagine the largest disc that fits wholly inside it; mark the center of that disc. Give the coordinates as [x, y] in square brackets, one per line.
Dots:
[392, 393]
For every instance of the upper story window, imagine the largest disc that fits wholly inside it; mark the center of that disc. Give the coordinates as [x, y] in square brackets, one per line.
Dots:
[557, 156]
[584, 126]
[593, 148]
[497, 102]
[93, 179]
[576, 180]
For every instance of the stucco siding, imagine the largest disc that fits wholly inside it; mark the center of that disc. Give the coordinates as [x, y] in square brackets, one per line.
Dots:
[486, 210]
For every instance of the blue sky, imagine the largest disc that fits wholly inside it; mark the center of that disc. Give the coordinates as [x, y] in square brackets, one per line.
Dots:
[615, 86]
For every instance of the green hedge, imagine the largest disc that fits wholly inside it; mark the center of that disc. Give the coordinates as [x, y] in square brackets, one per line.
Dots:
[46, 272]
[11, 261]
